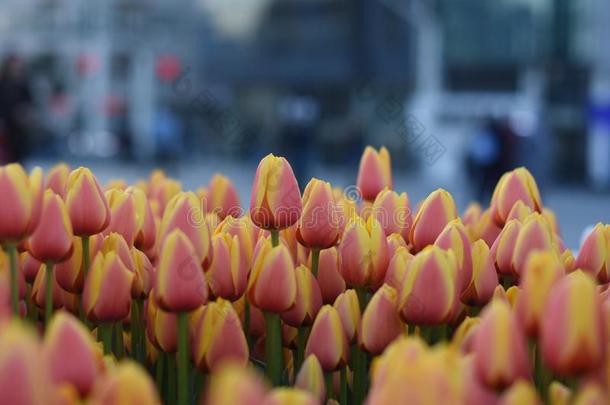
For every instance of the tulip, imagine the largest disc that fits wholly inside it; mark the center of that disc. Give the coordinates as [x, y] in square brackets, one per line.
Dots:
[393, 212]
[162, 189]
[222, 197]
[289, 396]
[520, 212]
[228, 272]
[500, 348]
[124, 219]
[51, 242]
[534, 235]
[463, 338]
[275, 202]
[20, 208]
[541, 272]
[435, 212]
[219, 337]
[571, 330]
[513, 186]
[86, 203]
[503, 249]
[144, 273]
[397, 269]
[22, 380]
[348, 307]
[559, 394]
[184, 212]
[129, 383]
[455, 237]
[429, 294]
[319, 227]
[364, 253]
[484, 277]
[272, 288]
[29, 266]
[311, 378]
[380, 322]
[107, 292]
[374, 173]
[471, 218]
[57, 179]
[161, 326]
[246, 232]
[394, 242]
[593, 253]
[327, 340]
[68, 350]
[69, 274]
[487, 229]
[591, 394]
[330, 281]
[521, 393]
[221, 390]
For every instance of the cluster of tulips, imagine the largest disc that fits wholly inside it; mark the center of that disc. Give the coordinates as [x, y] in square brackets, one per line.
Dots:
[146, 293]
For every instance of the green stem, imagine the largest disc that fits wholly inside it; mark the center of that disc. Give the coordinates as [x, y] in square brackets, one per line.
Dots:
[362, 300]
[105, 331]
[303, 331]
[315, 260]
[328, 376]
[343, 395]
[275, 237]
[137, 332]
[247, 323]
[31, 308]
[183, 358]
[11, 251]
[359, 374]
[48, 294]
[273, 348]
[159, 372]
[118, 340]
[171, 376]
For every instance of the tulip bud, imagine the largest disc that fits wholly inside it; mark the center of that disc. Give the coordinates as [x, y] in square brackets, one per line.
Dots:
[500, 348]
[221, 390]
[484, 276]
[330, 281]
[87, 206]
[319, 226]
[219, 337]
[115, 242]
[374, 173]
[520, 212]
[327, 340]
[272, 284]
[364, 253]
[395, 241]
[28, 264]
[571, 331]
[146, 232]
[348, 308]
[311, 378]
[593, 253]
[542, 270]
[534, 235]
[161, 326]
[429, 293]
[245, 231]
[21, 202]
[380, 322]
[393, 212]
[308, 299]
[57, 179]
[513, 186]
[487, 229]
[504, 247]
[275, 202]
[107, 291]
[129, 383]
[454, 237]
[68, 350]
[222, 197]
[435, 212]
[463, 338]
[39, 293]
[228, 273]
[69, 274]
[144, 275]
[520, 393]
[470, 219]
[22, 380]
[181, 284]
[397, 269]
[52, 239]
[184, 212]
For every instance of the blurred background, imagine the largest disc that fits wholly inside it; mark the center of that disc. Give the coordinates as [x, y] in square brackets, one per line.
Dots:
[458, 90]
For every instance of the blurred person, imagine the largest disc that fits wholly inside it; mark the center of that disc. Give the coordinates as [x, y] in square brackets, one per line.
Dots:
[489, 155]
[15, 108]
